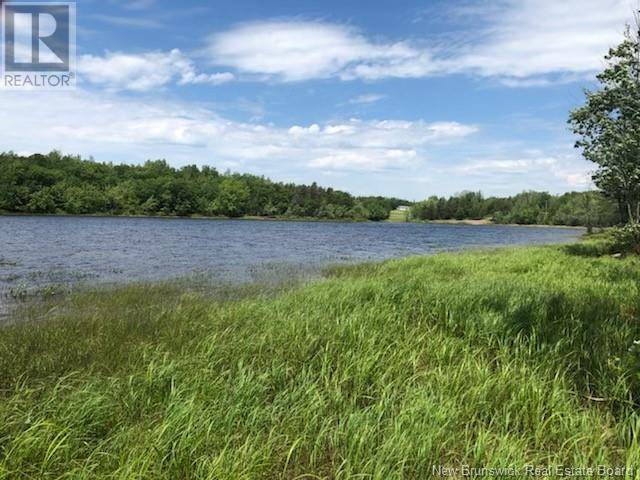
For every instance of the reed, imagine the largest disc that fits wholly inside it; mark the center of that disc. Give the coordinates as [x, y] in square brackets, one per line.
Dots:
[492, 358]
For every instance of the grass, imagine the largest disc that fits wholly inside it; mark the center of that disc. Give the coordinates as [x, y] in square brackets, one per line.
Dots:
[594, 245]
[493, 359]
[398, 216]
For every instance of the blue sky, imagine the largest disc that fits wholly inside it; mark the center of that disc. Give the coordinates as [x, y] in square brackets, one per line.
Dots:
[405, 98]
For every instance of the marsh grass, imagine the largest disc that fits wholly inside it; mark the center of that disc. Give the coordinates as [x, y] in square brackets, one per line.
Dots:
[594, 245]
[491, 358]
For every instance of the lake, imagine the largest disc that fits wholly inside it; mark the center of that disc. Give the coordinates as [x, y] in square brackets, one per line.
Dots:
[36, 252]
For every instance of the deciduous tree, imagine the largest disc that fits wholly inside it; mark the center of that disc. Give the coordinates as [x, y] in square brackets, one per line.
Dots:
[609, 127]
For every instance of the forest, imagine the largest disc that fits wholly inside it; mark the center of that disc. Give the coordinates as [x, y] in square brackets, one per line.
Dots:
[526, 208]
[62, 184]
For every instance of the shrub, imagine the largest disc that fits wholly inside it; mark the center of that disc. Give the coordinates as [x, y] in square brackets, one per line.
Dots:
[627, 238]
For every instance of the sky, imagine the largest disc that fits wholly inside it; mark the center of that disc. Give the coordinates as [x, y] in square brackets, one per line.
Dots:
[400, 98]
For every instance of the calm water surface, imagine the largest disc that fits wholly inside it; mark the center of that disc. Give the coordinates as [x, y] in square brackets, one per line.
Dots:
[40, 251]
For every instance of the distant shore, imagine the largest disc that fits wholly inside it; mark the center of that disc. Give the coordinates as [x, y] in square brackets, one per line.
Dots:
[189, 217]
[469, 222]
[483, 221]
[489, 222]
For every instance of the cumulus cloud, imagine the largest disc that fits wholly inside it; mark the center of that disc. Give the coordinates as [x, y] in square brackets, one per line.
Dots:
[522, 42]
[106, 124]
[412, 159]
[146, 71]
[534, 168]
[374, 145]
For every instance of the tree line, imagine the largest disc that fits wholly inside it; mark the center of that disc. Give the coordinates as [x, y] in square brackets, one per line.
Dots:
[65, 184]
[528, 208]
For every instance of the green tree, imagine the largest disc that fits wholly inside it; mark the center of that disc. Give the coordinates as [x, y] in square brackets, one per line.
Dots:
[377, 212]
[609, 127]
[150, 206]
[590, 209]
[84, 200]
[359, 212]
[123, 198]
[232, 198]
[42, 201]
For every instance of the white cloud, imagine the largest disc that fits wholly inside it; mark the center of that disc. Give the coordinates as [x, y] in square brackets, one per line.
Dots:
[534, 169]
[367, 98]
[542, 81]
[298, 131]
[522, 42]
[113, 128]
[368, 160]
[303, 50]
[526, 38]
[518, 166]
[410, 159]
[189, 76]
[146, 71]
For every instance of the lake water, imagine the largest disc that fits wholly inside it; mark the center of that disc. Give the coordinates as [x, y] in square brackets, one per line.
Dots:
[39, 251]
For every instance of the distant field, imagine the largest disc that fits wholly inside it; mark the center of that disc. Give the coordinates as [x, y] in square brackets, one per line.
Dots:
[492, 359]
[398, 216]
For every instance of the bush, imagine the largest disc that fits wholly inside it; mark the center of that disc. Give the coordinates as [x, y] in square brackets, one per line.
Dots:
[627, 238]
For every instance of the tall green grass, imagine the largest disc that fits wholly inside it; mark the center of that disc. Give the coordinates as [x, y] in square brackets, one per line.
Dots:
[492, 359]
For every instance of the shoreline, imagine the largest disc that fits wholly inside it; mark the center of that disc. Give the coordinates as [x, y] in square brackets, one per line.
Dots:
[189, 282]
[494, 332]
[193, 217]
[481, 223]
[466, 222]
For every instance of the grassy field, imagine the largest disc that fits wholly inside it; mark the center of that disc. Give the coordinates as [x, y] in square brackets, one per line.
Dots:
[492, 359]
[398, 216]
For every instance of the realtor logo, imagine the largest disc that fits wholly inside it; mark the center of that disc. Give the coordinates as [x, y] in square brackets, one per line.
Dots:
[38, 45]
